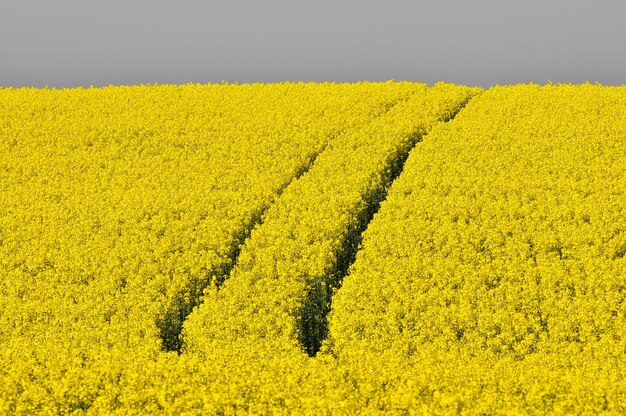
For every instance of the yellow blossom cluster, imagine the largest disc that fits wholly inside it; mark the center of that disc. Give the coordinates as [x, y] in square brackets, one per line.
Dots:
[118, 206]
[493, 277]
[281, 285]
[369, 248]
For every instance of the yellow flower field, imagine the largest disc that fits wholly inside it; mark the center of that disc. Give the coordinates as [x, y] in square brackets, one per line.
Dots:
[313, 248]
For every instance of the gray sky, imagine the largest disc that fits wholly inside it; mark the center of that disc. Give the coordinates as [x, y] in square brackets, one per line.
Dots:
[65, 43]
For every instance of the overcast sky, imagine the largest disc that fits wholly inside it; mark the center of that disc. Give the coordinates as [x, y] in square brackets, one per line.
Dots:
[65, 43]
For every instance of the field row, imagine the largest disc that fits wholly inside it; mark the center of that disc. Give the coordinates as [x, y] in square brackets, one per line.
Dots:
[120, 205]
[492, 279]
[279, 291]
[271, 249]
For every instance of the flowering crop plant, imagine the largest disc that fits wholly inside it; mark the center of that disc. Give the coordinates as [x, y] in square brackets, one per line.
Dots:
[313, 248]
